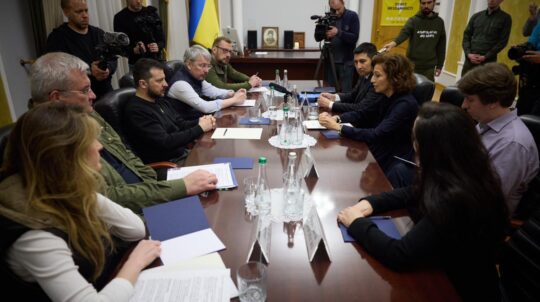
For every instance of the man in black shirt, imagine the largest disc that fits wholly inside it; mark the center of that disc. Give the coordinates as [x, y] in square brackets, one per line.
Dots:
[144, 29]
[80, 39]
[155, 129]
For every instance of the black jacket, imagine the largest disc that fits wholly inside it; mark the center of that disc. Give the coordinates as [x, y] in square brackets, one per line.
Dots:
[362, 95]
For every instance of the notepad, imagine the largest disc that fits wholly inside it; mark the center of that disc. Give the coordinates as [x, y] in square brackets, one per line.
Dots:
[258, 89]
[237, 133]
[247, 103]
[315, 125]
[387, 226]
[223, 171]
[182, 228]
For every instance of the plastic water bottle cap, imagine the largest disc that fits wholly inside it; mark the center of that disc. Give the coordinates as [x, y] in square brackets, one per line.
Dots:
[262, 160]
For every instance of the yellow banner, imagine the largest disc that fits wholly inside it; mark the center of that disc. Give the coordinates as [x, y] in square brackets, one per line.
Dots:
[397, 12]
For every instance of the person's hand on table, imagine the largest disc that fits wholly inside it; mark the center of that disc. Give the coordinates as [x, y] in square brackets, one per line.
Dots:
[324, 102]
[206, 123]
[326, 120]
[350, 214]
[200, 181]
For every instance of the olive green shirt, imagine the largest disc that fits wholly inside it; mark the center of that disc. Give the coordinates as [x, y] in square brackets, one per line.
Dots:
[220, 75]
[138, 195]
[487, 34]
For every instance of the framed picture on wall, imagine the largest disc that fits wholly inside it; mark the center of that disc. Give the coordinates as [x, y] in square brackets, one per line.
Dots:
[300, 38]
[270, 37]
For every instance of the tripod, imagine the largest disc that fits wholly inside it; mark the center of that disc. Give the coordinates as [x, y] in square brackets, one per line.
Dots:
[326, 55]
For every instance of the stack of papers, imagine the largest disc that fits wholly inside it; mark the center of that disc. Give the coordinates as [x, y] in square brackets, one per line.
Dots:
[182, 228]
[247, 103]
[258, 89]
[224, 173]
[315, 125]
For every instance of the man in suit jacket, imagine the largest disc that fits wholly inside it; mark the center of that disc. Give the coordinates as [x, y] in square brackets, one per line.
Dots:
[363, 93]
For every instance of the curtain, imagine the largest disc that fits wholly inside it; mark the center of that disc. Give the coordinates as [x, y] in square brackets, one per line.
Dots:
[52, 14]
[177, 33]
[38, 25]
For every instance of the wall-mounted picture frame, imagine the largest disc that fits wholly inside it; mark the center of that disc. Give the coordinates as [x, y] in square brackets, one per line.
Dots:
[300, 37]
[270, 37]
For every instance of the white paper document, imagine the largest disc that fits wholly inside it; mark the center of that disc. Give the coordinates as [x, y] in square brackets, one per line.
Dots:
[188, 286]
[247, 103]
[222, 171]
[237, 133]
[258, 89]
[189, 246]
[211, 261]
[314, 125]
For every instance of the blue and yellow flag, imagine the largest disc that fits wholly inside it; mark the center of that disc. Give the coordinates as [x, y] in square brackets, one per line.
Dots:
[203, 22]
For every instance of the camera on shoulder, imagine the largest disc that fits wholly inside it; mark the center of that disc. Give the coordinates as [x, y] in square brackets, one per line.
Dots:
[323, 23]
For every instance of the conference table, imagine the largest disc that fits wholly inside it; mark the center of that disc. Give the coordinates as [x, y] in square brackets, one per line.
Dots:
[347, 171]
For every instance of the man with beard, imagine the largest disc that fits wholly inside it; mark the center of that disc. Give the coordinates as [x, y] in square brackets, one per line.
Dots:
[427, 40]
[222, 74]
[143, 27]
[155, 129]
[78, 38]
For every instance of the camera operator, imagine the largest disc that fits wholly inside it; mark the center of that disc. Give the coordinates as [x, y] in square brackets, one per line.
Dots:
[343, 37]
[143, 27]
[80, 39]
[528, 56]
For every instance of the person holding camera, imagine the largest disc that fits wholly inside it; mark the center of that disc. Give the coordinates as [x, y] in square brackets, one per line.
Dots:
[528, 56]
[80, 39]
[343, 36]
[143, 27]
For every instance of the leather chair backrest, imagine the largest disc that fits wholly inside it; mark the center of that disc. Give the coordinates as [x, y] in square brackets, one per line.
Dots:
[171, 67]
[451, 95]
[520, 262]
[126, 80]
[111, 107]
[423, 92]
[4, 134]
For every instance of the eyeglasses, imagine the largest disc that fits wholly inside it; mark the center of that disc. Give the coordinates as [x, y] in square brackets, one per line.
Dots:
[85, 91]
[226, 50]
[204, 66]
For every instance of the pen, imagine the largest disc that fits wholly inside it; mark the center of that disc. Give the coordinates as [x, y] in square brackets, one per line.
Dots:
[379, 217]
[257, 74]
[225, 132]
[406, 161]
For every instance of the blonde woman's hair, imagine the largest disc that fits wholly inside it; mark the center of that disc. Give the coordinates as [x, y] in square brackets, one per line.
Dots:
[48, 148]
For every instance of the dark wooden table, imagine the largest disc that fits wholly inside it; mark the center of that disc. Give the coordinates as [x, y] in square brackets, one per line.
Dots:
[348, 171]
[300, 65]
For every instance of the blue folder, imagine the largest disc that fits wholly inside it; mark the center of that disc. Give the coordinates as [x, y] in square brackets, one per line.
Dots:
[331, 134]
[386, 225]
[261, 121]
[236, 162]
[176, 218]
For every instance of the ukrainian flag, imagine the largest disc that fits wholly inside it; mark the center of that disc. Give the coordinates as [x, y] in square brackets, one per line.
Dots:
[203, 22]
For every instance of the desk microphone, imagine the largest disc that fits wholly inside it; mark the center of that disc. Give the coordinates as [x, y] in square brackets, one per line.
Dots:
[279, 88]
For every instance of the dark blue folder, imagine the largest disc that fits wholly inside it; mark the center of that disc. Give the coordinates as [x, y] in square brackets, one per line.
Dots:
[175, 218]
[236, 162]
[386, 225]
[331, 134]
[261, 121]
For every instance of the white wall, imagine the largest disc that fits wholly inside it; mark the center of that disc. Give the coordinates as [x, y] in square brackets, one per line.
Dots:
[16, 42]
[286, 14]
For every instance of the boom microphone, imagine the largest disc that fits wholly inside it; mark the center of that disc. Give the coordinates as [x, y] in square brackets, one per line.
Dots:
[279, 88]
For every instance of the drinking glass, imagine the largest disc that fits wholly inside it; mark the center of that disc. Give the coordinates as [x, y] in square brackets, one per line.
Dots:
[251, 279]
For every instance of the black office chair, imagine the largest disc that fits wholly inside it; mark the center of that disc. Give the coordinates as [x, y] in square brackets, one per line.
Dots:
[171, 67]
[451, 95]
[126, 80]
[520, 262]
[111, 107]
[423, 92]
[530, 201]
[4, 134]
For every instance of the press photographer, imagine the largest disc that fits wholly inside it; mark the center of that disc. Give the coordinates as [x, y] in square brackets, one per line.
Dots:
[342, 36]
[528, 57]
[80, 39]
[144, 29]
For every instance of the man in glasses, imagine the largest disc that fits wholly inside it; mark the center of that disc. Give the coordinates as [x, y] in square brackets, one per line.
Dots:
[222, 74]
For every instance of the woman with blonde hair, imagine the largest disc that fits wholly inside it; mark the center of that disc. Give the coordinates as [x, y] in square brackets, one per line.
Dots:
[61, 239]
